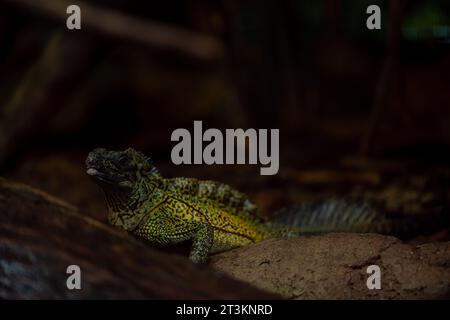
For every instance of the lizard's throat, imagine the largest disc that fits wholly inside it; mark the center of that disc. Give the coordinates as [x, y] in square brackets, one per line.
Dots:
[125, 206]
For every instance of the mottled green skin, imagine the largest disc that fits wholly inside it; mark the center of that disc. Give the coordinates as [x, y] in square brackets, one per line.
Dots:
[213, 215]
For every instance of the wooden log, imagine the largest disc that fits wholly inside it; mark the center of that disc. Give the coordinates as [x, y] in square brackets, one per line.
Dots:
[40, 236]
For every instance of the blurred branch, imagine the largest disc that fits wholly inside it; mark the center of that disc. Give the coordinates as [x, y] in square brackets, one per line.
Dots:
[390, 66]
[327, 177]
[117, 25]
[45, 87]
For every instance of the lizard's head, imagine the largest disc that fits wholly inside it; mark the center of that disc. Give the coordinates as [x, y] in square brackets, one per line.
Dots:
[126, 178]
[121, 169]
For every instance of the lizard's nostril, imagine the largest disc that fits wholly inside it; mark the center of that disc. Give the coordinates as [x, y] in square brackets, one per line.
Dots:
[94, 155]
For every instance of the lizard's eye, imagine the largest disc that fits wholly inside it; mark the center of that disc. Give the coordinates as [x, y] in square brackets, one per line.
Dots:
[123, 163]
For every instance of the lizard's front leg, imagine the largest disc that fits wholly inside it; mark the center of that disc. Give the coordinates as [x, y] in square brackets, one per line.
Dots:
[202, 243]
[163, 229]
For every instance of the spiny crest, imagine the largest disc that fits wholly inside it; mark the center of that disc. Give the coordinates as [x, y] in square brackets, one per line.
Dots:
[142, 161]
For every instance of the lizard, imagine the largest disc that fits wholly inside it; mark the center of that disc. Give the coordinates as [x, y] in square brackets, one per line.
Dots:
[213, 215]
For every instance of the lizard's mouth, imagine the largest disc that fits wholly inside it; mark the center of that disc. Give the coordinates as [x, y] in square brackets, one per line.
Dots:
[99, 175]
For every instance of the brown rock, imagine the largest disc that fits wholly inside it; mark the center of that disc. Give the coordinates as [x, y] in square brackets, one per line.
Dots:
[334, 266]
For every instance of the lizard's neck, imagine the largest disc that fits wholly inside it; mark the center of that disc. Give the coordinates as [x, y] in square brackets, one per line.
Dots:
[127, 208]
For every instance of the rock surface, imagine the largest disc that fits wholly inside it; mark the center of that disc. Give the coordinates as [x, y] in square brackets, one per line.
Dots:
[334, 266]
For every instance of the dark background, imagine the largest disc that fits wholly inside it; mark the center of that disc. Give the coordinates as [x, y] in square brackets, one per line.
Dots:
[362, 113]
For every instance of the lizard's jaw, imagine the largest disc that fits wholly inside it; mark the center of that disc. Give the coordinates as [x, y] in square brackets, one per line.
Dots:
[103, 177]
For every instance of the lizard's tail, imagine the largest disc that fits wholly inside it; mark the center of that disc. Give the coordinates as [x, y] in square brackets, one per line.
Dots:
[340, 215]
